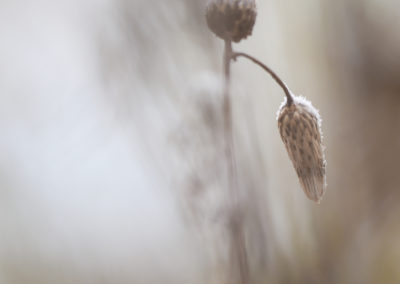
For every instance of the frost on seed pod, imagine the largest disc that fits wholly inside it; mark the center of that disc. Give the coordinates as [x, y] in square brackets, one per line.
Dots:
[231, 19]
[300, 128]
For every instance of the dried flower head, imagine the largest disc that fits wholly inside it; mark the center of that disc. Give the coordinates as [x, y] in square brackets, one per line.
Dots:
[300, 128]
[231, 19]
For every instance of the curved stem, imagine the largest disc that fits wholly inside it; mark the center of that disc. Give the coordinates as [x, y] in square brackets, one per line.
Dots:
[272, 73]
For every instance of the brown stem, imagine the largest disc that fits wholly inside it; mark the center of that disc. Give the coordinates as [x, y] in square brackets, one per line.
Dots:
[272, 73]
[238, 245]
[228, 119]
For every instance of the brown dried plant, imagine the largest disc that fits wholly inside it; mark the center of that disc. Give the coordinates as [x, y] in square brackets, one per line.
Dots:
[300, 128]
[231, 19]
[298, 122]
[299, 125]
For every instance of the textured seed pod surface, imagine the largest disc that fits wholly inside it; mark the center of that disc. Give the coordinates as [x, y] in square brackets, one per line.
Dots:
[300, 129]
[231, 19]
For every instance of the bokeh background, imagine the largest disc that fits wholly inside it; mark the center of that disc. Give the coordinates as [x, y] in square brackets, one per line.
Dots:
[112, 150]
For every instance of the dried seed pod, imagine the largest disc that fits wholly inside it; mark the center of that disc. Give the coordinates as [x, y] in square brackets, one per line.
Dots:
[231, 19]
[300, 128]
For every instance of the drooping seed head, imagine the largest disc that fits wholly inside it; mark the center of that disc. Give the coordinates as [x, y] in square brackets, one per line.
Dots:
[231, 19]
[300, 128]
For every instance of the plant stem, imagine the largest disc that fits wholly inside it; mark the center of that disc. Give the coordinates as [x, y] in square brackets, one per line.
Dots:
[237, 242]
[227, 108]
[285, 88]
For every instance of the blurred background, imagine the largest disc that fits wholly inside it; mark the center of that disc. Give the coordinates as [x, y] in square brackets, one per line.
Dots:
[112, 150]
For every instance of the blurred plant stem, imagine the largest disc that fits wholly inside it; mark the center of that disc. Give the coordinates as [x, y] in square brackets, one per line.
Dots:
[238, 253]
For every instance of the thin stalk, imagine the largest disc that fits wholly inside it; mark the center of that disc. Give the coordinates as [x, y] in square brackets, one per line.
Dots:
[230, 154]
[272, 73]
[237, 242]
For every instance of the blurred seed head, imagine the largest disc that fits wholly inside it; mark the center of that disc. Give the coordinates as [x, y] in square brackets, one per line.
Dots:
[300, 128]
[231, 19]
